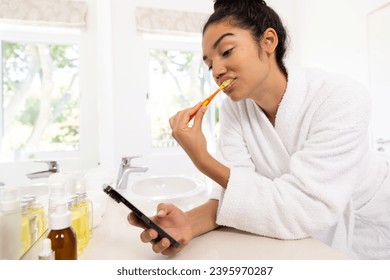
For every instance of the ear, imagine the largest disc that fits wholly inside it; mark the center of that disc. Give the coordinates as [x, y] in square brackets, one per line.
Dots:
[269, 40]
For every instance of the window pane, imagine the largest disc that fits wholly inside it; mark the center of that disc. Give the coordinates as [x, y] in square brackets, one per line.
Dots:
[178, 80]
[40, 91]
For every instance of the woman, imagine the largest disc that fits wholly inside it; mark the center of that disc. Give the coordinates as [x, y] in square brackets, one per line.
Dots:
[293, 152]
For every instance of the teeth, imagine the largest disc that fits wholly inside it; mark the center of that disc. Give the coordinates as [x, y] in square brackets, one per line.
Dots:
[226, 83]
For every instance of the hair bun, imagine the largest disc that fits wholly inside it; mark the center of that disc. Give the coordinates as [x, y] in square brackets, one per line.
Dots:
[233, 3]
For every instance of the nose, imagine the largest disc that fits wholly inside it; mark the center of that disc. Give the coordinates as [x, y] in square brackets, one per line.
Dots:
[219, 70]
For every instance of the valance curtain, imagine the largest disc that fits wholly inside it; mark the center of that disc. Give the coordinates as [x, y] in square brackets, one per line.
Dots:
[60, 13]
[150, 20]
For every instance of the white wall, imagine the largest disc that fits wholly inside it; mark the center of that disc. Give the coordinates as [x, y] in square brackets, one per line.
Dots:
[332, 34]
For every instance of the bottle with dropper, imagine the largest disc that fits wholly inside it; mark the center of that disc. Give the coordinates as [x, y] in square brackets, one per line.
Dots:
[62, 236]
[47, 252]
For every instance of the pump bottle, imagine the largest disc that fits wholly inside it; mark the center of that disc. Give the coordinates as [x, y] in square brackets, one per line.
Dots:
[10, 225]
[62, 236]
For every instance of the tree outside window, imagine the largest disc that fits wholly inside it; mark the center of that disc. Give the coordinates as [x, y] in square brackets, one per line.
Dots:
[178, 80]
[40, 99]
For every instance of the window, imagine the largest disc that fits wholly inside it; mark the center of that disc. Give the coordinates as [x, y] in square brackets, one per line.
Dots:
[40, 99]
[178, 79]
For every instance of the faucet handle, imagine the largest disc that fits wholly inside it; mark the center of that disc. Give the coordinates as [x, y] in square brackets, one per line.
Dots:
[126, 160]
[51, 164]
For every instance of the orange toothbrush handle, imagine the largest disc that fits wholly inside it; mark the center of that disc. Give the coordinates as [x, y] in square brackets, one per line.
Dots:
[208, 99]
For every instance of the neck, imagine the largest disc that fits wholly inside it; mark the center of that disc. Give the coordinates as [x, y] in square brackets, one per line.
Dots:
[272, 94]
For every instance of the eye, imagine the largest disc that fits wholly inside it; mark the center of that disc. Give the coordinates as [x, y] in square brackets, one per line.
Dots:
[227, 53]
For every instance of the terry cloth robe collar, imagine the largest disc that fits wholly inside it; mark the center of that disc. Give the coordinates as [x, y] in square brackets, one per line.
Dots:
[274, 149]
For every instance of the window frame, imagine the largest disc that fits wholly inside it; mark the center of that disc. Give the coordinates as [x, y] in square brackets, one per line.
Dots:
[43, 36]
[177, 43]
[88, 153]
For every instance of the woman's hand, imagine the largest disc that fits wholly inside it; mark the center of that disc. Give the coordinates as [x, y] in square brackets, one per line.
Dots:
[173, 221]
[190, 138]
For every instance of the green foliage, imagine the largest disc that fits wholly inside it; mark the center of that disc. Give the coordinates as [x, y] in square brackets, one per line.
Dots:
[64, 56]
[172, 61]
[11, 49]
[30, 113]
[17, 61]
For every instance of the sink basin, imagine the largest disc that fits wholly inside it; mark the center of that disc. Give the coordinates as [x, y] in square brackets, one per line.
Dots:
[183, 191]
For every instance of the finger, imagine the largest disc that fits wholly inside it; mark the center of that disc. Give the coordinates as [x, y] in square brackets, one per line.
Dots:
[170, 251]
[172, 121]
[133, 220]
[148, 235]
[160, 246]
[199, 116]
[162, 210]
[194, 111]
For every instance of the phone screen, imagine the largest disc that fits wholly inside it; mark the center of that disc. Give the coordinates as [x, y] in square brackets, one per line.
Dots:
[148, 222]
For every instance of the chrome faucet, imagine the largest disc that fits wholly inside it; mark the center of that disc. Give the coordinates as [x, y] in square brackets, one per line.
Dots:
[125, 169]
[53, 167]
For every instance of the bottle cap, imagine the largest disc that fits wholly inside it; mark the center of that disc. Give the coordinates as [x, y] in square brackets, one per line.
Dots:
[57, 192]
[47, 253]
[28, 200]
[81, 186]
[61, 218]
[9, 201]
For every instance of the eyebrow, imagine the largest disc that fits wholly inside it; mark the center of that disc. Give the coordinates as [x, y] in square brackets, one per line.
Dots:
[216, 43]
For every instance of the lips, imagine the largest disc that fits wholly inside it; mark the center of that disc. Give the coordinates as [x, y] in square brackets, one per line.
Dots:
[228, 89]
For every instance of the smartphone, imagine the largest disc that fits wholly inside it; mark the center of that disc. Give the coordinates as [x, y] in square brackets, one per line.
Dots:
[141, 216]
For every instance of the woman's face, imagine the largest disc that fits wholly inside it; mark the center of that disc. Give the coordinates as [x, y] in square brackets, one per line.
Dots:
[232, 53]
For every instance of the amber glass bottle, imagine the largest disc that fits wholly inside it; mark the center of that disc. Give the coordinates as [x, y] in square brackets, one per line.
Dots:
[62, 236]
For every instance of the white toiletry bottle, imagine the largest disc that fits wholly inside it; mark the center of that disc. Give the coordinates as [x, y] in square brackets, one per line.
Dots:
[47, 252]
[56, 194]
[10, 225]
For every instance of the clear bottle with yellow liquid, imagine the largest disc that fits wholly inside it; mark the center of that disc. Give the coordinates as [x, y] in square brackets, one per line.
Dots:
[79, 223]
[35, 214]
[38, 210]
[87, 207]
[82, 213]
[26, 236]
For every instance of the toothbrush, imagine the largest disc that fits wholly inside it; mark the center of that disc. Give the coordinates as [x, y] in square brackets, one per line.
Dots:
[208, 99]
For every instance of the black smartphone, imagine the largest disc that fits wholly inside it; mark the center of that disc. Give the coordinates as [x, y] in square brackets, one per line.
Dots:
[148, 222]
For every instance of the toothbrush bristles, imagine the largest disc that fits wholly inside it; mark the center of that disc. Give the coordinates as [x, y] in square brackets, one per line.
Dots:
[226, 83]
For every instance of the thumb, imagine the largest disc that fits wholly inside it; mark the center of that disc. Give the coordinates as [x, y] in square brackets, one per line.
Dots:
[199, 116]
[162, 210]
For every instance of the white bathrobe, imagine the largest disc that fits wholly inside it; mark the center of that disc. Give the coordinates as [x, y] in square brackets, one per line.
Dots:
[310, 175]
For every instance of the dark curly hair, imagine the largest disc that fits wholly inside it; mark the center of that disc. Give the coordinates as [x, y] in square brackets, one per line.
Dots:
[255, 16]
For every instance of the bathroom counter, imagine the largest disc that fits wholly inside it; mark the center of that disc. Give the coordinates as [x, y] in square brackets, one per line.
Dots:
[115, 239]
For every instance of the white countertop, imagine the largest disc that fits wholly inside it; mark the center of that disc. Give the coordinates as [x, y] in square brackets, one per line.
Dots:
[115, 239]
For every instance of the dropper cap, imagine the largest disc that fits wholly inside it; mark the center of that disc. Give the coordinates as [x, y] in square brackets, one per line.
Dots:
[61, 218]
[47, 253]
